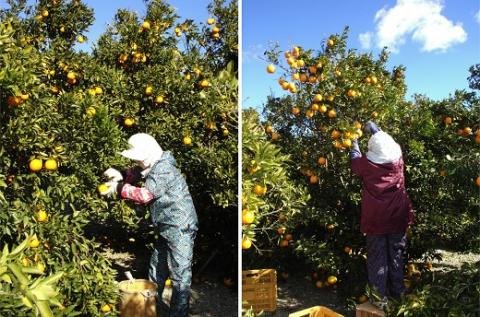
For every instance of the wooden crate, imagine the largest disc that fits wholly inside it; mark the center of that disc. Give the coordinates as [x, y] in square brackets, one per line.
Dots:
[368, 310]
[259, 290]
[316, 311]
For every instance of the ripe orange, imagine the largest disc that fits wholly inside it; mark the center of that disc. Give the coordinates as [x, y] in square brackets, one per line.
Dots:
[271, 69]
[374, 80]
[148, 90]
[313, 179]
[477, 138]
[330, 227]
[34, 243]
[295, 111]
[210, 21]
[292, 88]
[330, 43]
[296, 76]
[281, 230]
[91, 111]
[275, 136]
[312, 79]
[309, 114]
[467, 131]
[447, 120]
[374, 114]
[322, 109]
[332, 280]
[347, 143]
[477, 181]
[41, 216]
[335, 134]
[347, 250]
[351, 93]
[146, 25]
[204, 83]
[35, 165]
[288, 237]
[296, 51]
[80, 39]
[51, 164]
[247, 217]
[318, 284]
[312, 69]
[303, 78]
[103, 188]
[332, 114]
[283, 243]
[168, 282]
[24, 96]
[259, 190]
[187, 140]
[71, 75]
[285, 85]
[357, 125]
[268, 129]
[98, 90]
[315, 107]
[322, 160]
[300, 63]
[128, 122]
[106, 308]
[317, 98]
[44, 13]
[246, 243]
[282, 217]
[159, 99]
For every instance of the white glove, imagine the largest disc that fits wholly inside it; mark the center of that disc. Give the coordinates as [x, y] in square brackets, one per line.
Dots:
[113, 175]
[112, 189]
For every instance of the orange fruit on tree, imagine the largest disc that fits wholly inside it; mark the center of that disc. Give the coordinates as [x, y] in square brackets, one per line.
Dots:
[159, 99]
[98, 90]
[281, 230]
[91, 111]
[312, 69]
[275, 136]
[303, 78]
[309, 114]
[322, 160]
[268, 129]
[477, 181]
[330, 227]
[466, 131]
[283, 243]
[146, 25]
[168, 282]
[259, 190]
[71, 75]
[332, 280]
[362, 298]
[51, 164]
[322, 109]
[351, 93]
[315, 107]
[296, 76]
[24, 96]
[296, 51]
[295, 111]
[148, 90]
[271, 69]
[102, 188]
[128, 122]
[477, 138]
[80, 39]
[210, 21]
[187, 140]
[313, 179]
[374, 79]
[106, 308]
[247, 217]
[41, 216]
[357, 125]
[246, 243]
[347, 143]
[335, 134]
[282, 217]
[300, 63]
[312, 79]
[292, 88]
[204, 83]
[35, 165]
[288, 237]
[330, 43]
[374, 114]
[347, 250]
[317, 98]
[34, 243]
[285, 85]
[318, 284]
[447, 120]
[332, 114]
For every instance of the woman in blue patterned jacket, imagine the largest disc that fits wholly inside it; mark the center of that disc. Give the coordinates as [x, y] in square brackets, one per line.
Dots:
[172, 213]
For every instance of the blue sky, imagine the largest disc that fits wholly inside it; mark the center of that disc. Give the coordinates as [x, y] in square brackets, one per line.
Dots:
[436, 40]
[106, 10]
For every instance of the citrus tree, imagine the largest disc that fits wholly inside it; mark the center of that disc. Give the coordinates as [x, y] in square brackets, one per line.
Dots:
[65, 116]
[330, 94]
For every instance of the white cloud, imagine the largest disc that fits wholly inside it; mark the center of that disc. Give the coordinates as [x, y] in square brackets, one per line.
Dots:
[253, 53]
[365, 40]
[420, 19]
[477, 17]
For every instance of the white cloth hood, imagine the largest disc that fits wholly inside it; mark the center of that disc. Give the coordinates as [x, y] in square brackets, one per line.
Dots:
[144, 149]
[383, 149]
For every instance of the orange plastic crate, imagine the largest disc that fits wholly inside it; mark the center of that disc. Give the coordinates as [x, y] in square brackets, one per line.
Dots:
[259, 290]
[368, 310]
[316, 311]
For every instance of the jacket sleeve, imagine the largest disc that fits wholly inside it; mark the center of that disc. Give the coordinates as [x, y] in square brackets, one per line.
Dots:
[356, 165]
[140, 195]
[159, 182]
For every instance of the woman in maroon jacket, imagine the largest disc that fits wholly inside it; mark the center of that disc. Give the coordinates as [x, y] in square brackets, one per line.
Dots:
[386, 210]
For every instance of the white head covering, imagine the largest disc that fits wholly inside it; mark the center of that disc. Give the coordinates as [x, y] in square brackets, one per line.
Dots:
[383, 149]
[144, 149]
